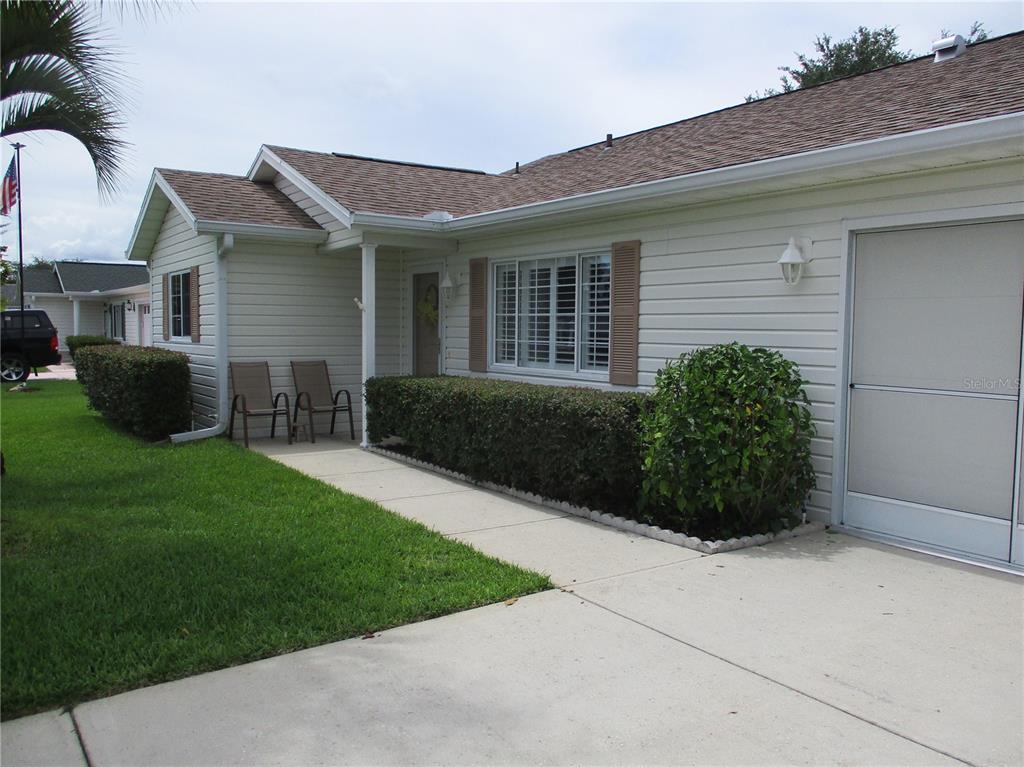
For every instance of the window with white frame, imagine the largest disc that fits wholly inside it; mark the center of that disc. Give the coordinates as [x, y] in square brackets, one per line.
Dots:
[181, 305]
[117, 321]
[553, 313]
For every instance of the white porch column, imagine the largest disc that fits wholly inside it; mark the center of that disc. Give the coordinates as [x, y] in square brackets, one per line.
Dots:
[77, 313]
[369, 321]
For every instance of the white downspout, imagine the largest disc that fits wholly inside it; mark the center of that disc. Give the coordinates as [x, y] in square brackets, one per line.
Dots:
[227, 244]
[369, 307]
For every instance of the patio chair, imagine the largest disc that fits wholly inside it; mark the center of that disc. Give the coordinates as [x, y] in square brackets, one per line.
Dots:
[253, 397]
[315, 395]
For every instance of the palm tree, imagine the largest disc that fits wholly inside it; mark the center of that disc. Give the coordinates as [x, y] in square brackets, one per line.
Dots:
[57, 74]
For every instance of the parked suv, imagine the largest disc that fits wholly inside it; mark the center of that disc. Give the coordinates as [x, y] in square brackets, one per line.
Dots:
[22, 351]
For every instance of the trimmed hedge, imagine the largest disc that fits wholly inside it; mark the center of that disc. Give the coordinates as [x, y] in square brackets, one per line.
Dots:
[570, 444]
[146, 391]
[79, 342]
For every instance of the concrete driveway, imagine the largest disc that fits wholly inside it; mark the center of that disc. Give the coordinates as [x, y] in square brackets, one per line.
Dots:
[820, 650]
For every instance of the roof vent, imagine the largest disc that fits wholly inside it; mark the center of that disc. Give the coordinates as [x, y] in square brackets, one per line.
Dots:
[438, 215]
[949, 48]
[608, 141]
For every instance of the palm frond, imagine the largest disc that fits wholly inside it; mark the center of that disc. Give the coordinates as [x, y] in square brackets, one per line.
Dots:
[95, 123]
[59, 71]
[64, 30]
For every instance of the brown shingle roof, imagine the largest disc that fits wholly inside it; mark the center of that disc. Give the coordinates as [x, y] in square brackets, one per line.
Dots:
[988, 80]
[87, 276]
[235, 199]
[369, 185]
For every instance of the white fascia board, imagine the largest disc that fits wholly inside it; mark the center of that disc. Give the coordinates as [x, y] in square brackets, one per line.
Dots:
[932, 139]
[156, 182]
[130, 290]
[141, 217]
[391, 222]
[59, 280]
[293, 233]
[307, 187]
[176, 201]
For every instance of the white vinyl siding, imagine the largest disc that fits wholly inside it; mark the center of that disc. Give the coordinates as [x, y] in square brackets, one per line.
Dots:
[178, 249]
[709, 275]
[289, 302]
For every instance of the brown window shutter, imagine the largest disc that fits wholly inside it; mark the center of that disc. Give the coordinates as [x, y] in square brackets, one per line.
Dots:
[622, 368]
[193, 300]
[478, 315]
[166, 311]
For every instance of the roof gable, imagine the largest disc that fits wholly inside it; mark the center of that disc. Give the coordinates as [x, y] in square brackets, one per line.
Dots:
[42, 279]
[235, 199]
[90, 276]
[371, 185]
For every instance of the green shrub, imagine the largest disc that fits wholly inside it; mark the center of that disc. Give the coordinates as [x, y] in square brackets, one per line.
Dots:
[570, 444]
[146, 391]
[75, 343]
[726, 443]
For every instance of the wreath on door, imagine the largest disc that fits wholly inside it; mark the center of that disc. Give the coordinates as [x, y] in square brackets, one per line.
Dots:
[426, 309]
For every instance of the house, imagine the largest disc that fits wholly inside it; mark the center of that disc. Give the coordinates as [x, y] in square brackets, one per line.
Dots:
[101, 298]
[894, 201]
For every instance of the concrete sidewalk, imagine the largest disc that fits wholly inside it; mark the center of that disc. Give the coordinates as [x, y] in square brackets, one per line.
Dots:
[63, 372]
[819, 650]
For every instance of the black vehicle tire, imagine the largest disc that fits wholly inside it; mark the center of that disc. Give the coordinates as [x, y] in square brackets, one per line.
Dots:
[13, 367]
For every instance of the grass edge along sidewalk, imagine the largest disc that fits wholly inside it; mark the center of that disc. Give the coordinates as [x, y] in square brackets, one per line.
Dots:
[125, 564]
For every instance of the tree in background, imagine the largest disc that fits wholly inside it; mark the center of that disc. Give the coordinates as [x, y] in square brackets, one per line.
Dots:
[58, 73]
[865, 50]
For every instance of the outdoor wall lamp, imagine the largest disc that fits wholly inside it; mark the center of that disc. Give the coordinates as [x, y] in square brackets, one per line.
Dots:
[794, 258]
[130, 305]
[448, 287]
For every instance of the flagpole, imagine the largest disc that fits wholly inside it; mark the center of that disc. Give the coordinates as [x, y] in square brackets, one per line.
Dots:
[21, 249]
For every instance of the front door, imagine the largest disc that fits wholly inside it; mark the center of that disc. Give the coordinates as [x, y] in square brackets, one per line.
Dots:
[935, 380]
[145, 326]
[426, 343]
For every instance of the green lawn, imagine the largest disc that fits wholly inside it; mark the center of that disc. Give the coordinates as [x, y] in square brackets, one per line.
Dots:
[125, 563]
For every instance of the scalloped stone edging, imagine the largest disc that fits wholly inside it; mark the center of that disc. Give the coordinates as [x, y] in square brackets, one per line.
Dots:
[619, 523]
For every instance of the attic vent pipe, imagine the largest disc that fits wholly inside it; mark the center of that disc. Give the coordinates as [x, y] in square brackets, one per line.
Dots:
[608, 141]
[517, 167]
[949, 48]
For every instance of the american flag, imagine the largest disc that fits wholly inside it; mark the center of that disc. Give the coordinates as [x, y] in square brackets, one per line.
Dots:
[10, 189]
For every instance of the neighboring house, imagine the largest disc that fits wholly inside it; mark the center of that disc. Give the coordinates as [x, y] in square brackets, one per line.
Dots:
[101, 298]
[902, 189]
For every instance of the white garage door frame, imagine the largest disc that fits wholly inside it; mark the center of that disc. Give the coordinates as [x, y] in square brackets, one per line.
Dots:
[852, 228]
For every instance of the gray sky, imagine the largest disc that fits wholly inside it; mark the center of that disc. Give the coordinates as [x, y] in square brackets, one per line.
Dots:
[470, 85]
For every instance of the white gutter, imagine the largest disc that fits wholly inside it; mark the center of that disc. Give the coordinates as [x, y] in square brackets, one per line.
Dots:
[100, 294]
[292, 233]
[405, 223]
[931, 139]
[227, 244]
[945, 137]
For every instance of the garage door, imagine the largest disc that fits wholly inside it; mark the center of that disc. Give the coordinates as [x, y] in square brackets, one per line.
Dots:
[934, 411]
